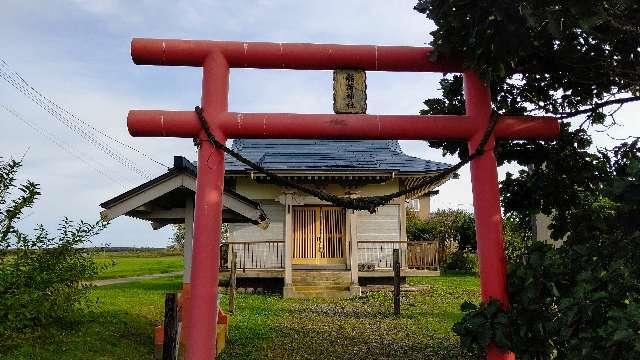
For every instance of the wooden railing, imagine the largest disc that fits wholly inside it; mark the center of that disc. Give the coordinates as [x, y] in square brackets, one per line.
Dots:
[253, 255]
[421, 255]
[270, 255]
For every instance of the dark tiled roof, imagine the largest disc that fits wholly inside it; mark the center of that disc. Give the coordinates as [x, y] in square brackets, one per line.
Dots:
[330, 155]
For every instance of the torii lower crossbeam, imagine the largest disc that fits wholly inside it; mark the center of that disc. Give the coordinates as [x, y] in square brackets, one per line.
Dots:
[217, 57]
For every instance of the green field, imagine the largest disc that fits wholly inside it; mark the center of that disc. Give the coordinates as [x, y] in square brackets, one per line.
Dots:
[266, 327]
[125, 265]
[120, 326]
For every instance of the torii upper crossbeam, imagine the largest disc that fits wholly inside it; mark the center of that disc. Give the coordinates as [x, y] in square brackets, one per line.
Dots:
[217, 57]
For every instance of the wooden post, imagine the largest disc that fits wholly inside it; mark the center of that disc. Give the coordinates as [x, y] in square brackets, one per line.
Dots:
[188, 239]
[232, 282]
[352, 238]
[353, 241]
[287, 290]
[396, 281]
[403, 234]
[170, 344]
[186, 278]
[437, 260]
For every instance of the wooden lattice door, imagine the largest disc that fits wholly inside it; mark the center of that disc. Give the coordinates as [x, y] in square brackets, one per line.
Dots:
[318, 235]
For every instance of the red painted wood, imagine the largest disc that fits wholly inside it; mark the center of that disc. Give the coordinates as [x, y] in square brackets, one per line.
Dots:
[218, 56]
[486, 204]
[183, 124]
[335, 126]
[357, 126]
[201, 319]
[263, 55]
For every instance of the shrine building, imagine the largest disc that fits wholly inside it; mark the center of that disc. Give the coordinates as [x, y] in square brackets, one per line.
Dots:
[310, 247]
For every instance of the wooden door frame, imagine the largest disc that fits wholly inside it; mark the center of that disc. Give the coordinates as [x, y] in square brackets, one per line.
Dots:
[317, 259]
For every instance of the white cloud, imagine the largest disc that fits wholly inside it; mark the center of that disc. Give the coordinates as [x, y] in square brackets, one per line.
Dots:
[102, 7]
[77, 52]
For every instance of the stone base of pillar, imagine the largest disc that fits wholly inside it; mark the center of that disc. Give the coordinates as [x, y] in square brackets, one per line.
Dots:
[355, 290]
[288, 291]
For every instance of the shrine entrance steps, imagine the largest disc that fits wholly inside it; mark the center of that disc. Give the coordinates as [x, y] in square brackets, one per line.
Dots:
[320, 284]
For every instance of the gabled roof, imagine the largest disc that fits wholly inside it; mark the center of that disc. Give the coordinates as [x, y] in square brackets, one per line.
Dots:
[329, 155]
[162, 200]
[180, 165]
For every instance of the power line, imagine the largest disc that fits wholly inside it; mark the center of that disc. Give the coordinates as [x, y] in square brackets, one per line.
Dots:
[71, 121]
[59, 143]
[74, 127]
[89, 125]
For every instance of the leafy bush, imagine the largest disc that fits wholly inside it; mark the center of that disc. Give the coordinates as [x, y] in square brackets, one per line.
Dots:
[517, 236]
[566, 58]
[560, 307]
[481, 325]
[464, 261]
[580, 300]
[454, 231]
[454, 226]
[42, 277]
[176, 244]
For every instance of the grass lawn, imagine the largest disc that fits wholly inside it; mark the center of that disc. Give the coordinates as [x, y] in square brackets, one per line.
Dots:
[134, 265]
[119, 327]
[268, 327]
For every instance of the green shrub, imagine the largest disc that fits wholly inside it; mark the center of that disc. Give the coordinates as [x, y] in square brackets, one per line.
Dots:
[462, 261]
[453, 229]
[517, 236]
[176, 245]
[42, 277]
[581, 300]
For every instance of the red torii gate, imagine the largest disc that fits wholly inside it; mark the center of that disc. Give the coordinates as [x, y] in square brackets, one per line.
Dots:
[217, 57]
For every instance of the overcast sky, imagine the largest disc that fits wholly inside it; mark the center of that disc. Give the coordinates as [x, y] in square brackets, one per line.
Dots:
[77, 54]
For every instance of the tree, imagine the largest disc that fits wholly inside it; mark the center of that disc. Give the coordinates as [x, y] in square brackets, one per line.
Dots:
[177, 238]
[557, 57]
[43, 278]
[567, 59]
[543, 57]
[581, 300]
[453, 229]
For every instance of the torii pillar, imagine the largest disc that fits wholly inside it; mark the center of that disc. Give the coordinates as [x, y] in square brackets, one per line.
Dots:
[217, 57]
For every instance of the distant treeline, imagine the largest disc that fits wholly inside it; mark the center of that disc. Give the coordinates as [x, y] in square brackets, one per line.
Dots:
[116, 250]
[126, 249]
[120, 251]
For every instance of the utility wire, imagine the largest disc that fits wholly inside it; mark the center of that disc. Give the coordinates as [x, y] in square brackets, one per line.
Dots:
[89, 125]
[75, 124]
[75, 127]
[59, 143]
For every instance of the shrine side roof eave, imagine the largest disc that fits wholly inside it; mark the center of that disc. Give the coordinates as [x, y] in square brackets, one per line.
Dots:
[427, 189]
[140, 188]
[181, 165]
